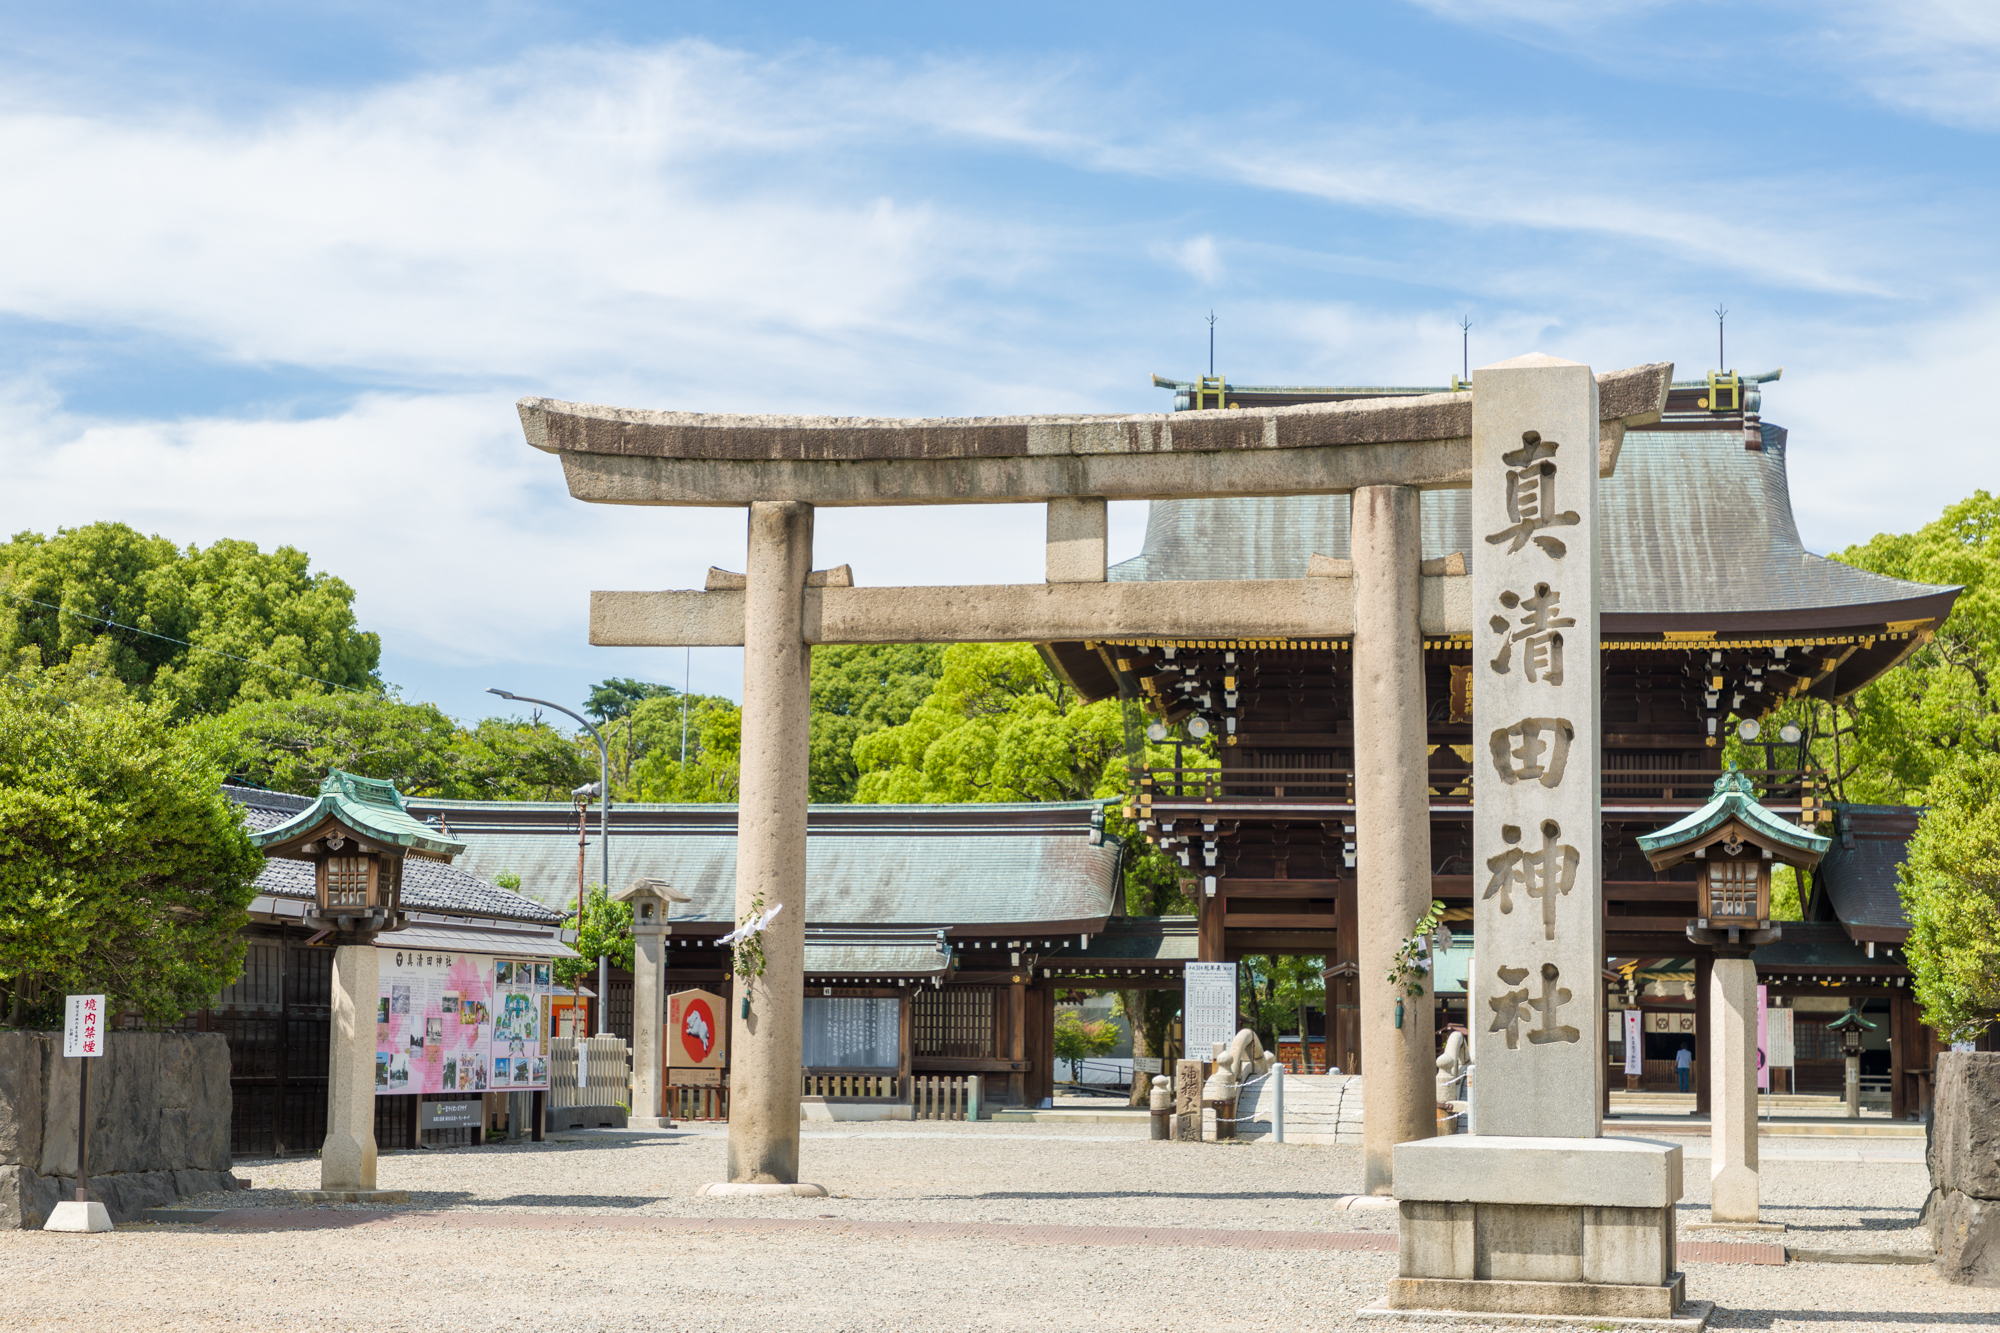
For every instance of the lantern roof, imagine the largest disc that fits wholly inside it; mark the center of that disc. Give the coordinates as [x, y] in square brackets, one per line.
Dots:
[1734, 809]
[370, 809]
[1852, 1019]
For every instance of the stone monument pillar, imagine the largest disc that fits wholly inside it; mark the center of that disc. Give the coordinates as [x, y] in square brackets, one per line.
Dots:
[1732, 1052]
[1536, 1213]
[768, 1010]
[347, 1157]
[1392, 824]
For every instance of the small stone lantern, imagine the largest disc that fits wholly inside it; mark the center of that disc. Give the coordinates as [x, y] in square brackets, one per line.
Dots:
[1850, 1026]
[355, 835]
[1736, 841]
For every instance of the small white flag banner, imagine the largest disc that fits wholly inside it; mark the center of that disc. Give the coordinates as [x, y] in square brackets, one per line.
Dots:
[83, 1026]
[1635, 1044]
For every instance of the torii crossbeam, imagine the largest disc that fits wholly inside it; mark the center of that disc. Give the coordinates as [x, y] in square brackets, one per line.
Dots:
[1384, 451]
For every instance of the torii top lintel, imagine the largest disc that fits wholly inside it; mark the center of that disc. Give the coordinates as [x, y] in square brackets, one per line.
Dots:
[622, 456]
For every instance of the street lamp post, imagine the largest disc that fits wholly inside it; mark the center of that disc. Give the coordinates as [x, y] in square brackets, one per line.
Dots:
[603, 814]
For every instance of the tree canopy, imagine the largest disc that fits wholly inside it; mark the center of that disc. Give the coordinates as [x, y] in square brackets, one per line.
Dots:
[1950, 886]
[123, 868]
[195, 628]
[289, 744]
[856, 692]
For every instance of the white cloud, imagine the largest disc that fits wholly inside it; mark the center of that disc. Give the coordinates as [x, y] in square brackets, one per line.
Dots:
[1196, 256]
[1939, 59]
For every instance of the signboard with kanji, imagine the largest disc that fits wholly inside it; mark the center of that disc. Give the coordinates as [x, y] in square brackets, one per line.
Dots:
[83, 1026]
[697, 1036]
[1208, 1007]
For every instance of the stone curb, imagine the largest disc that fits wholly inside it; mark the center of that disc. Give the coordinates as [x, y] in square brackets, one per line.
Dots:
[1860, 1256]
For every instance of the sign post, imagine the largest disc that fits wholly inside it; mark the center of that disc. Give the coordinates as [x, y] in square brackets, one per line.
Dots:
[83, 1040]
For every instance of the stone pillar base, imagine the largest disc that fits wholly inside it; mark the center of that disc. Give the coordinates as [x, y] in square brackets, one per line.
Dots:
[73, 1216]
[1688, 1316]
[1576, 1228]
[742, 1189]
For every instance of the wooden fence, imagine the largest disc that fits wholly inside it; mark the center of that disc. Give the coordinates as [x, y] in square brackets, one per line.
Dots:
[834, 1084]
[686, 1103]
[607, 1079]
[941, 1096]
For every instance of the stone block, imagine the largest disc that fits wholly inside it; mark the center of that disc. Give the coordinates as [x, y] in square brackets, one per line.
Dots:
[1436, 1240]
[21, 1098]
[1628, 1245]
[26, 1199]
[1484, 1168]
[1964, 1134]
[1968, 1238]
[1527, 1243]
[1538, 1298]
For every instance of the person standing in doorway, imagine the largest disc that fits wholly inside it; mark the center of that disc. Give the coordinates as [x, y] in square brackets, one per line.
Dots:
[1684, 1064]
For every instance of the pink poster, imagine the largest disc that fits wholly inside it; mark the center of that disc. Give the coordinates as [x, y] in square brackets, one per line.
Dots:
[1763, 1039]
[459, 1022]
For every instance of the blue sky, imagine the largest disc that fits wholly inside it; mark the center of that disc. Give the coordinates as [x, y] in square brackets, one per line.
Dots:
[280, 271]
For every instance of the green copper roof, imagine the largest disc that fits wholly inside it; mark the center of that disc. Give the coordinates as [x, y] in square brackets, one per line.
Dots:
[372, 808]
[1734, 799]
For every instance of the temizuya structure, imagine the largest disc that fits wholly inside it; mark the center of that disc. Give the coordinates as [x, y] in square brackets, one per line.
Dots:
[1382, 452]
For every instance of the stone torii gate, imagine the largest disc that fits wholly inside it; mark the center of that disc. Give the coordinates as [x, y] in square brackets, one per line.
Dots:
[1382, 451]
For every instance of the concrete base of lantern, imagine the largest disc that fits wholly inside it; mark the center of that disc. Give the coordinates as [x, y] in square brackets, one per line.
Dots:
[1690, 1317]
[73, 1216]
[745, 1190]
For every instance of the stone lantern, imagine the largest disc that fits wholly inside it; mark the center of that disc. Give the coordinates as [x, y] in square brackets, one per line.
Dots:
[652, 903]
[356, 836]
[1850, 1026]
[1736, 841]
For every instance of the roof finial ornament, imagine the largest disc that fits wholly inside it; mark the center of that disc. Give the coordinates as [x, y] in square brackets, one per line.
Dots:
[1721, 361]
[1465, 348]
[1211, 342]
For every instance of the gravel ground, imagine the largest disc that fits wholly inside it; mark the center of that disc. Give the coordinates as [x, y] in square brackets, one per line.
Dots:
[420, 1274]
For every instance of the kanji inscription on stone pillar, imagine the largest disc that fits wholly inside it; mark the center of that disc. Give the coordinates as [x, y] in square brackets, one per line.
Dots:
[1537, 999]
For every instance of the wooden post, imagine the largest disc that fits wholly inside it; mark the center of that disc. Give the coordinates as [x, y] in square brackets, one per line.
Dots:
[1211, 945]
[1017, 1038]
[1704, 972]
[1343, 994]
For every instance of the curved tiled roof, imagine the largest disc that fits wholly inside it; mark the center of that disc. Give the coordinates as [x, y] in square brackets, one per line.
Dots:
[1693, 524]
[887, 865]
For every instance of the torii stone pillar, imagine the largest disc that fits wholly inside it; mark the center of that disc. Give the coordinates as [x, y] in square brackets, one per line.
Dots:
[767, 1012]
[1392, 842]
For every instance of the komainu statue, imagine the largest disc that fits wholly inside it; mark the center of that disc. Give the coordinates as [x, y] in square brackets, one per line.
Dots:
[1236, 1063]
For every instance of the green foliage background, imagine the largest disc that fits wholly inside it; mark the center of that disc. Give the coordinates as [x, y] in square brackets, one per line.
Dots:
[123, 868]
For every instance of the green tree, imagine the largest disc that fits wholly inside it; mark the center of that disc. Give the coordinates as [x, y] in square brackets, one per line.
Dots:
[856, 691]
[713, 728]
[262, 626]
[614, 701]
[998, 726]
[1950, 886]
[123, 868]
[1284, 991]
[1078, 1039]
[289, 744]
[606, 932]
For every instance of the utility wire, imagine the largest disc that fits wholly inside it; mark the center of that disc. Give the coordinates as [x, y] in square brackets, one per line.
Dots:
[168, 638]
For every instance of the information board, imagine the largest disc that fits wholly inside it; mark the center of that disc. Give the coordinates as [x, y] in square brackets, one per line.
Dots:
[1208, 1008]
[1780, 1049]
[460, 1022]
[852, 1032]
